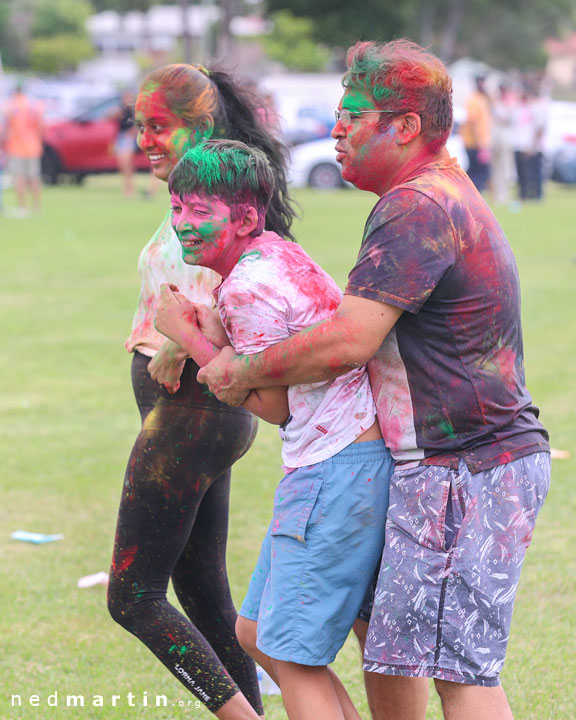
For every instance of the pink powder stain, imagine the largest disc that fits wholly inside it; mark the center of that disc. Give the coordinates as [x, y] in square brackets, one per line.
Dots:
[392, 396]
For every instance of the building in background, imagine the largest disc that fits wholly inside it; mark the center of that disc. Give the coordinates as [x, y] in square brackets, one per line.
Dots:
[158, 36]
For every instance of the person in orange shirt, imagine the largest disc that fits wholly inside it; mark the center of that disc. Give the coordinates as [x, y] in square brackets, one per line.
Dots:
[23, 145]
[476, 135]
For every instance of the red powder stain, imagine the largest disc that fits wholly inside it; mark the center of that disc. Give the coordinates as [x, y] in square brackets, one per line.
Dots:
[126, 559]
[315, 287]
[505, 362]
[369, 480]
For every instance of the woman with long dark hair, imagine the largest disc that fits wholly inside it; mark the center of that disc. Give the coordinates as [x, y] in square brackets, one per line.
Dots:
[173, 516]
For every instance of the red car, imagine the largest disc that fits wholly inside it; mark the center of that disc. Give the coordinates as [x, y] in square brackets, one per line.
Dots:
[84, 145]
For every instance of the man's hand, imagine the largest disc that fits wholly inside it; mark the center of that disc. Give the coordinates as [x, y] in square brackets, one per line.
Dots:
[209, 322]
[174, 313]
[167, 365]
[220, 378]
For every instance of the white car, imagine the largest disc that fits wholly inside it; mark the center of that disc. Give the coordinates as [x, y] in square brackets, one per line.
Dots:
[313, 164]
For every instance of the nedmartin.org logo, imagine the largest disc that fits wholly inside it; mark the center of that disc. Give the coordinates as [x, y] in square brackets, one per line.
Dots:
[81, 700]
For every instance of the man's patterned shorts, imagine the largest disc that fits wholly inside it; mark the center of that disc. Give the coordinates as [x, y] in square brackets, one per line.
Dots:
[455, 543]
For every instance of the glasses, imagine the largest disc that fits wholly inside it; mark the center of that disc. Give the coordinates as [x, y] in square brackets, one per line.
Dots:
[346, 116]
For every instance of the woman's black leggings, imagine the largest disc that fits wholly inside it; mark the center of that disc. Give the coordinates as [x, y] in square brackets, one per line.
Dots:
[173, 523]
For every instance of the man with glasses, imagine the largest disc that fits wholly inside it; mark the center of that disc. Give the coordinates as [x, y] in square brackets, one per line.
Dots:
[433, 303]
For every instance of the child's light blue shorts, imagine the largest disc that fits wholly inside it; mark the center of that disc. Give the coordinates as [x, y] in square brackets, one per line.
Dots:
[320, 554]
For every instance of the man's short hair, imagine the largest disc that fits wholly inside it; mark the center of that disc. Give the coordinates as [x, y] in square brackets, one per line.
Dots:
[403, 76]
[238, 175]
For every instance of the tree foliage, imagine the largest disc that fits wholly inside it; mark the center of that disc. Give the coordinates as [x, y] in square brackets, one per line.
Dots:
[339, 23]
[503, 33]
[292, 43]
[14, 32]
[60, 17]
[46, 37]
[125, 6]
[57, 53]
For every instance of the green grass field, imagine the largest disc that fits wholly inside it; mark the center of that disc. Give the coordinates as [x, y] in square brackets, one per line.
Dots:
[68, 419]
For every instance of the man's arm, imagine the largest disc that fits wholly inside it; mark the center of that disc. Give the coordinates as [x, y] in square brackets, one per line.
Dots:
[346, 340]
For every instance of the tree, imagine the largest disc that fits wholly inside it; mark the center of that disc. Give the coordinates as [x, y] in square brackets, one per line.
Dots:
[126, 6]
[292, 43]
[57, 53]
[44, 36]
[15, 32]
[60, 17]
[503, 33]
[339, 23]
[59, 37]
[513, 34]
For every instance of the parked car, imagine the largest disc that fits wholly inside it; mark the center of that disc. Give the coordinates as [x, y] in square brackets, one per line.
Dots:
[563, 166]
[313, 164]
[560, 142]
[84, 145]
[65, 99]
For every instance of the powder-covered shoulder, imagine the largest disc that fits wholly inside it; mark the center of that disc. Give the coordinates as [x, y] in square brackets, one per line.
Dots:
[276, 263]
[286, 276]
[411, 208]
[259, 275]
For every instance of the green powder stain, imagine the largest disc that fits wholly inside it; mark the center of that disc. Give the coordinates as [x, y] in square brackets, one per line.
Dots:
[208, 232]
[230, 173]
[447, 429]
[182, 140]
[252, 255]
[149, 88]
[355, 103]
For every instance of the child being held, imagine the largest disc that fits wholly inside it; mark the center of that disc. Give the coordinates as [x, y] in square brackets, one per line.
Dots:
[325, 540]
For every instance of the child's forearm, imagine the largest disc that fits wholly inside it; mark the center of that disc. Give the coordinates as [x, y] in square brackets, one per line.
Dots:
[201, 350]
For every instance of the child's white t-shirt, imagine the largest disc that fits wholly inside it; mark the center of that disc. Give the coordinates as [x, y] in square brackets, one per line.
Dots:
[274, 291]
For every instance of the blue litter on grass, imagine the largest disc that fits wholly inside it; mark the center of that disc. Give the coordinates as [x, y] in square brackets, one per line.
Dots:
[36, 538]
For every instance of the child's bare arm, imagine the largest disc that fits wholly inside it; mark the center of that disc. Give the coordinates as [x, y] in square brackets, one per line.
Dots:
[270, 404]
[210, 324]
[176, 317]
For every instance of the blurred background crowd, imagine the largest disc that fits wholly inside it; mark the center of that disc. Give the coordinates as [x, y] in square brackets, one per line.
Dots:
[69, 70]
